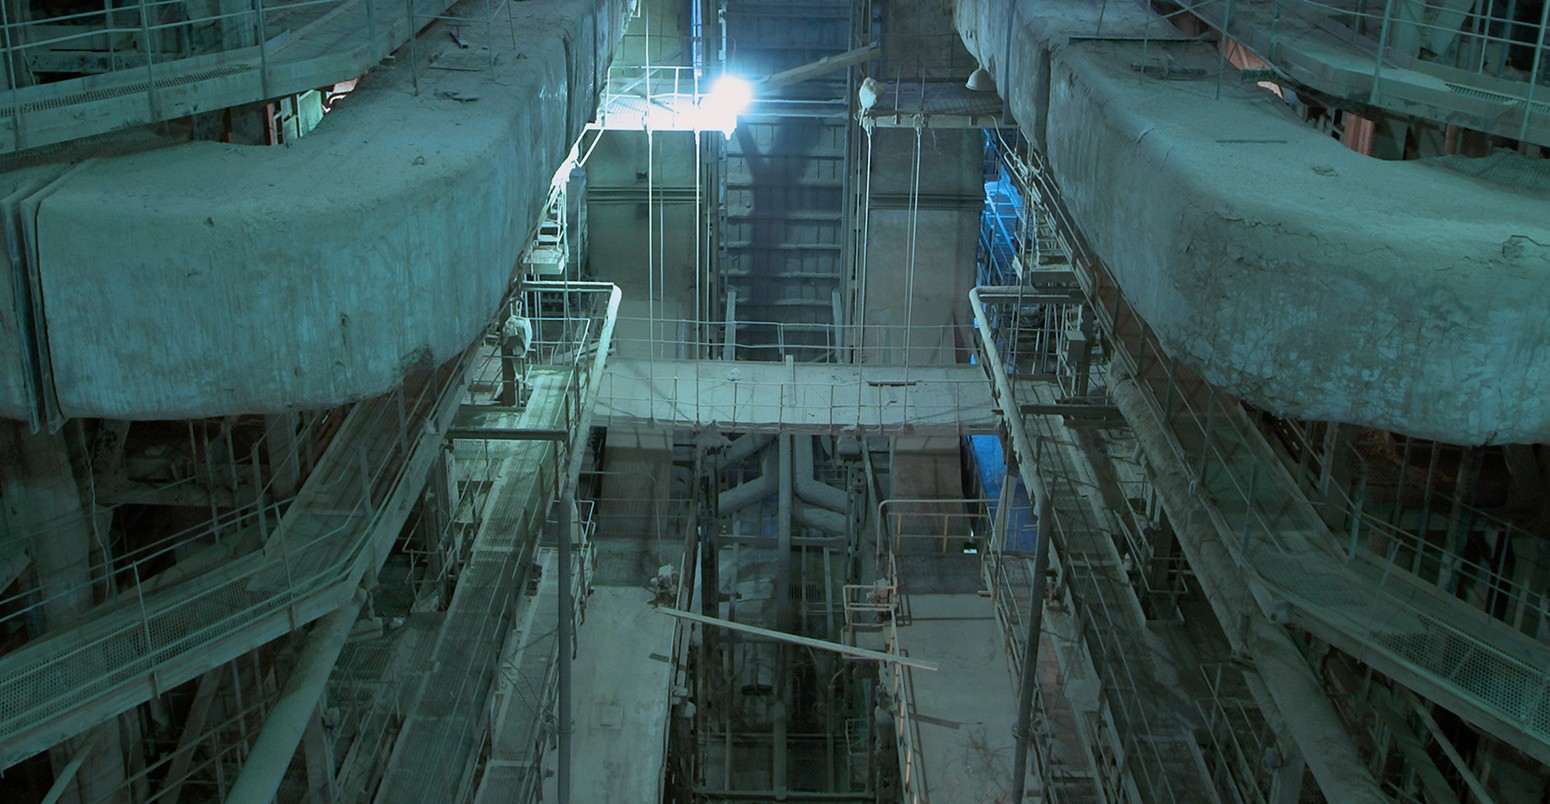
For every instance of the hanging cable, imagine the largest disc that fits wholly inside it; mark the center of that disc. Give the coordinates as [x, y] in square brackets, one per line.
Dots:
[699, 203]
[866, 230]
[909, 277]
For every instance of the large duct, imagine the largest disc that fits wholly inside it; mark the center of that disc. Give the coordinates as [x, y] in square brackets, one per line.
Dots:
[1303, 277]
[205, 278]
[744, 448]
[739, 497]
[830, 522]
[808, 488]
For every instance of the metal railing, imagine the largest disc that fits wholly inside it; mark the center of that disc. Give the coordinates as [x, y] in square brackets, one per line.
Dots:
[948, 525]
[913, 785]
[774, 341]
[660, 98]
[307, 566]
[1253, 497]
[139, 641]
[1383, 535]
[161, 59]
[1241, 742]
[1467, 57]
[1059, 781]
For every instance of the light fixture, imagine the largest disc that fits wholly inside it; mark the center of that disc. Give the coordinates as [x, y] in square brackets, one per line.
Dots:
[980, 81]
[729, 97]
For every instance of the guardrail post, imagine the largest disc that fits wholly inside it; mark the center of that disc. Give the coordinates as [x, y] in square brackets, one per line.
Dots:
[263, 47]
[1383, 42]
[1248, 508]
[1533, 74]
[1221, 63]
[365, 481]
[150, 60]
[1356, 515]
[145, 619]
[1205, 446]
[10, 73]
[414, 57]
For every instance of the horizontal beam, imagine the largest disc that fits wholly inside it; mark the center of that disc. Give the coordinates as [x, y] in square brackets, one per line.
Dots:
[823, 66]
[506, 434]
[821, 644]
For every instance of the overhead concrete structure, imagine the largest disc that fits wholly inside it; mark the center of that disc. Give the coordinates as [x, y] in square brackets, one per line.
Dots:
[357, 435]
[204, 279]
[1306, 278]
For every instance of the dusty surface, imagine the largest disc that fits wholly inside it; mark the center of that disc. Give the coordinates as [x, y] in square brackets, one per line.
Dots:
[622, 678]
[963, 714]
[1301, 276]
[207, 278]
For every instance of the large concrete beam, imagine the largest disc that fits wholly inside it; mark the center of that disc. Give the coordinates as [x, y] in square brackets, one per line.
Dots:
[1303, 277]
[207, 278]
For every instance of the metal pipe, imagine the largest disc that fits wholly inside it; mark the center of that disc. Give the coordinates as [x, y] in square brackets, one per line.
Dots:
[1023, 731]
[287, 719]
[1533, 74]
[808, 487]
[578, 454]
[741, 496]
[562, 753]
[745, 447]
[831, 522]
[783, 617]
[778, 758]
[809, 642]
[1023, 454]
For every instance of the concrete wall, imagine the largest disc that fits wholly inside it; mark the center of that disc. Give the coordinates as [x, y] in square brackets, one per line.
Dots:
[1301, 276]
[209, 279]
[946, 239]
[658, 281]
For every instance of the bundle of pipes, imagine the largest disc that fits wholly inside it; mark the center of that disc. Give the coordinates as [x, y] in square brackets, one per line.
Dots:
[816, 505]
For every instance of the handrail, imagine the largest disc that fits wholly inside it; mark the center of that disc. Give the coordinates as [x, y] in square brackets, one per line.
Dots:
[108, 658]
[1432, 647]
[1466, 50]
[691, 339]
[155, 46]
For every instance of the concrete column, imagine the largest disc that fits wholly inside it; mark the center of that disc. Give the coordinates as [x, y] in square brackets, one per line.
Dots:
[43, 504]
[1287, 785]
[783, 619]
[318, 747]
[284, 454]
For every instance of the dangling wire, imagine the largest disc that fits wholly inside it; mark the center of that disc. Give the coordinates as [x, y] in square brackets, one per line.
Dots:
[699, 225]
[909, 277]
[866, 230]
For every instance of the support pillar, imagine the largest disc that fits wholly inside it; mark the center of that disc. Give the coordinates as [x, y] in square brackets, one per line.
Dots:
[43, 505]
[284, 454]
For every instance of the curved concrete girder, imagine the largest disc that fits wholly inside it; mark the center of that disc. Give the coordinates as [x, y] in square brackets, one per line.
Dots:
[1304, 278]
[209, 279]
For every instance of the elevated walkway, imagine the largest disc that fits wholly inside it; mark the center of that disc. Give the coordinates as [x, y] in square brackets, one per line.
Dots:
[1451, 653]
[338, 527]
[1312, 43]
[768, 397]
[1458, 656]
[445, 728]
[956, 724]
[1158, 746]
[305, 45]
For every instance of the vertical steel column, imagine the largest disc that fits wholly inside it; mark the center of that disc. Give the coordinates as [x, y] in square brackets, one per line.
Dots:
[783, 545]
[1031, 650]
[1377, 62]
[1533, 73]
[567, 510]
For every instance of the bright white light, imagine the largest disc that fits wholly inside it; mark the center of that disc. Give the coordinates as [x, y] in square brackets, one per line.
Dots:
[731, 94]
[729, 97]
